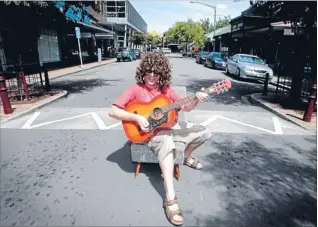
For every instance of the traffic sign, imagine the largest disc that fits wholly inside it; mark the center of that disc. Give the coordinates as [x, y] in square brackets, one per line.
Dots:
[78, 32]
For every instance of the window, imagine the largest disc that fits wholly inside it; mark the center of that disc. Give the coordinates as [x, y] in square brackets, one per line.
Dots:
[251, 59]
[49, 46]
[216, 55]
[116, 9]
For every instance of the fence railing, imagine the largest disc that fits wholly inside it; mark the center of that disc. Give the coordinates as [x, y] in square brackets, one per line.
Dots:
[26, 81]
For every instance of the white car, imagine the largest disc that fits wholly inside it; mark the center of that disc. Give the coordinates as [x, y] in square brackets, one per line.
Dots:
[166, 50]
[248, 66]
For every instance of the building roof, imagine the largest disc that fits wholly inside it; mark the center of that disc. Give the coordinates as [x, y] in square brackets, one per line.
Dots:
[220, 31]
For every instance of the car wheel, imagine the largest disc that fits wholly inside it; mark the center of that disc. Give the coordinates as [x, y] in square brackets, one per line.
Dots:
[227, 71]
[238, 73]
[118, 59]
[205, 65]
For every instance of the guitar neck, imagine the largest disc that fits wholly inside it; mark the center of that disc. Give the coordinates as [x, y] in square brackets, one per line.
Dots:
[177, 104]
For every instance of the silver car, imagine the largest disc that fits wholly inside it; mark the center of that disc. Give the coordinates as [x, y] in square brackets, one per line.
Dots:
[248, 66]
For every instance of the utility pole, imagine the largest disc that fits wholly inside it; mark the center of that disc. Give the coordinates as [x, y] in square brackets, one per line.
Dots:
[213, 7]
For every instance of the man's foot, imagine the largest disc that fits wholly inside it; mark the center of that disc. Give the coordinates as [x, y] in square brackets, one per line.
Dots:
[173, 212]
[191, 162]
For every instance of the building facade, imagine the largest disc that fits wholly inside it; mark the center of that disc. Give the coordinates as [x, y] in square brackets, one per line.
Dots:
[122, 18]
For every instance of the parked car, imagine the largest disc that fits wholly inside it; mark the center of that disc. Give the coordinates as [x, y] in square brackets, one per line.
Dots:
[137, 53]
[201, 56]
[125, 54]
[248, 66]
[166, 50]
[215, 61]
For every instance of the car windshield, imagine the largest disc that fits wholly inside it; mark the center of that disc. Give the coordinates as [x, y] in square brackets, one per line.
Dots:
[251, 59]
[204, 53]
[217, 55]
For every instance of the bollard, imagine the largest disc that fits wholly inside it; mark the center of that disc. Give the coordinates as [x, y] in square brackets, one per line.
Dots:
[47, 80]
[311, 103]
[266, 84]
[7, 108]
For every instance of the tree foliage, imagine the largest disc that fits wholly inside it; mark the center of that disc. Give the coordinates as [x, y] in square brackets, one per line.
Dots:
[187, 31]
[150, 38]
[208, 26]
[295, 12]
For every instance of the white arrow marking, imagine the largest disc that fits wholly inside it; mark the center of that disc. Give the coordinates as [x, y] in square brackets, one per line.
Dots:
[206, 122]
[100, 123]
[59, 120]
[30, 121]
[277, 126]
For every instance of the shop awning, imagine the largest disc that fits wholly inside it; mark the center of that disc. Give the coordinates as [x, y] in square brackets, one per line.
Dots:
[94, 28]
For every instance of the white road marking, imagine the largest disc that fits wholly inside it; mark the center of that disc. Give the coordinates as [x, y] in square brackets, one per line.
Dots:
[208, 121]
[201, 197]
[205, 123]
[248, 125]
[29, 122]
[100, 123]
[277, 126]
[113, 125]
[59, 120]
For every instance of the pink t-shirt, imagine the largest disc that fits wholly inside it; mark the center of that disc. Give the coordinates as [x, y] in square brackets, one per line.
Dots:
[144, 94]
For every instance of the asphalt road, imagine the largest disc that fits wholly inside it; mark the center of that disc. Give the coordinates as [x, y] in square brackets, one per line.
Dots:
[70, 163]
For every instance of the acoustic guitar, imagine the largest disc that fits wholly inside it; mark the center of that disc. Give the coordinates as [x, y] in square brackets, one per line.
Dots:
[161, 112]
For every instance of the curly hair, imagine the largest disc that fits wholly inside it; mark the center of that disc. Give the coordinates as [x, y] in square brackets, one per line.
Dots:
[157, 63]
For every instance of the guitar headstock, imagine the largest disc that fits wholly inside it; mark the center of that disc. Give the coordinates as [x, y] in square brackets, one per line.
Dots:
[220, 87]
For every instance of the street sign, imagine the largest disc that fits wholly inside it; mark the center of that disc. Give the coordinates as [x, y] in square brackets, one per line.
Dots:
[78, 32]
[78, 36]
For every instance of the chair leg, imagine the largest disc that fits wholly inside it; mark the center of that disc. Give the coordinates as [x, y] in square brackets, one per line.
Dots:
[137, 169]
[177, 171]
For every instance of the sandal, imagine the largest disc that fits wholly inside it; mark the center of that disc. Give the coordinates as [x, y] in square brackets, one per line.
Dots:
[171, 214]
[194, 164]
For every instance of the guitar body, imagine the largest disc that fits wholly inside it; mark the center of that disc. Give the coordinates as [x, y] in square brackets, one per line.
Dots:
[152, 112]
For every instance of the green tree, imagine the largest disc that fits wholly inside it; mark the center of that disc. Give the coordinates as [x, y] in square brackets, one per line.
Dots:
[186, 31]
[222, 22]
[153, 38]
[207, 25]
[300, 13]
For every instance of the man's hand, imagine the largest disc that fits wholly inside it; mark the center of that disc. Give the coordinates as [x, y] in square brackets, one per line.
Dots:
[202, 96]
[143, 123]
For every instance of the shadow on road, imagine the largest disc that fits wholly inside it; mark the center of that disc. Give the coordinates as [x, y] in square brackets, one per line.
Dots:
[232, 96]
[266, 184]
[152, 171]
[80, 86]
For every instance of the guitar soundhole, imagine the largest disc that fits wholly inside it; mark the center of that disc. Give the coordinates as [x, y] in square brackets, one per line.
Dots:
[157, 112]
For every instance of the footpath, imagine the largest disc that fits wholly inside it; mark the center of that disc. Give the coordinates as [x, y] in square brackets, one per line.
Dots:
[25, 107]
[291, 115]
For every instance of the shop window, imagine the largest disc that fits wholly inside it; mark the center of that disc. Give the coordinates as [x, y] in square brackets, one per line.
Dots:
[49, 46]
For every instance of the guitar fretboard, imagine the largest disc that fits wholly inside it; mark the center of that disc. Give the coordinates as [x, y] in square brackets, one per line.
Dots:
[178, 104]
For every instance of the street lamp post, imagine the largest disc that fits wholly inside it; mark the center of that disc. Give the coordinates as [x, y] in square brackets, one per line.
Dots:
[213, 7]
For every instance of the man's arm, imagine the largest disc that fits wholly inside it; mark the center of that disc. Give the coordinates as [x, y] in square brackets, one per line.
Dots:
[118, 111]
[121, 114]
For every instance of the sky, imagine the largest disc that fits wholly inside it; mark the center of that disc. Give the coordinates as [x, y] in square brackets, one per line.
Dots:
[160, 15]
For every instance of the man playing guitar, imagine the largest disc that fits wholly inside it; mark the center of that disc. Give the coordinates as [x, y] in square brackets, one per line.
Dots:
[153, 78]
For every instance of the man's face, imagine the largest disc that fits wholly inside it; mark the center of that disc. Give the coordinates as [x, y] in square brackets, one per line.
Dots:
[152, 79]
